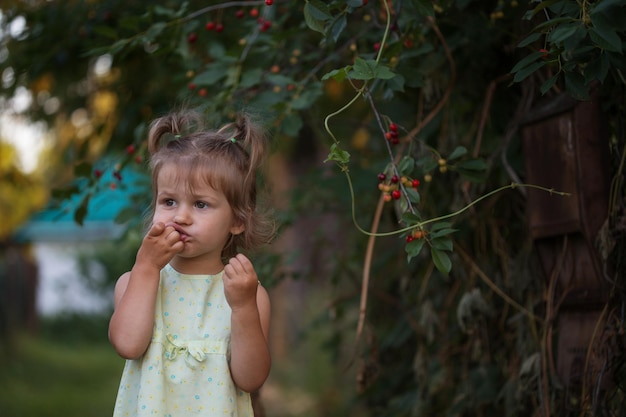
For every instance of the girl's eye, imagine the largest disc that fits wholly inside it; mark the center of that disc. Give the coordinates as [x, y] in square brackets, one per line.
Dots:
[201, 204]
[168, 202]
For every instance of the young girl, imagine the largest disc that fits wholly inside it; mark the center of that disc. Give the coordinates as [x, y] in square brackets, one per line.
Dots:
[191, 317]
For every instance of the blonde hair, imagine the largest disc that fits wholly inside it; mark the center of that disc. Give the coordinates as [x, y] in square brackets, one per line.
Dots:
[227, 159]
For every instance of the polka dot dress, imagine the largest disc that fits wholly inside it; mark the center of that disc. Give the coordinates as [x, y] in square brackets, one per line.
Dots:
[185, 370]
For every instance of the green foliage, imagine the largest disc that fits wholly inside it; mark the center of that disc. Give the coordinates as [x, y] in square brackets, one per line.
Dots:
[452, 321]
[583, 43]
[59, 377]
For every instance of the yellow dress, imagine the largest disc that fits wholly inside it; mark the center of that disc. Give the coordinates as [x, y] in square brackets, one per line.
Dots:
[185, 370]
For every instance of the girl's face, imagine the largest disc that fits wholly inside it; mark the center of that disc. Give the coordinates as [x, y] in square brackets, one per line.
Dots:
[200, 213]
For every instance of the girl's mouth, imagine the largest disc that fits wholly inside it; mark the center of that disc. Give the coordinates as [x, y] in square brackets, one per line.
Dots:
[183, 236]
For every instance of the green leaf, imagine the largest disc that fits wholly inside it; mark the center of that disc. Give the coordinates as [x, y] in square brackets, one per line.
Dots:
[338, 27]
[605, 5]
[457, 153]
[410, 218]
[547, 85]
[337, 74]
[414, 247]
[338, 155]
[528, 71]
[563, 32]
[608, 40]
[314, 17]
[526, 61]
[215, 72]
[291, 124]
[251, 77]
[406, 165]
[473, 165]
[414, 196]
[441, 260]
[363, 70]
[306, 99]
[442, 232]
[440, 225]
[154, 31]
[81, 211]
[529, 39]
[442, 244]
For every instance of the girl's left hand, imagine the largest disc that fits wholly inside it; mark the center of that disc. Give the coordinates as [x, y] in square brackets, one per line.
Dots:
[240, 282]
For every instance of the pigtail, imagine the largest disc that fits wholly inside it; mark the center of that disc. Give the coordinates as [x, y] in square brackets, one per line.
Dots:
[170, 127]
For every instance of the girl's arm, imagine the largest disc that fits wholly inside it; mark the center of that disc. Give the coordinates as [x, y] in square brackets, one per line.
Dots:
[131, 325]
[250, 356]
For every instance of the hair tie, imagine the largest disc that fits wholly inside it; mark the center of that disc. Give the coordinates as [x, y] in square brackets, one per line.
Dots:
[177, 136]
[233, 140]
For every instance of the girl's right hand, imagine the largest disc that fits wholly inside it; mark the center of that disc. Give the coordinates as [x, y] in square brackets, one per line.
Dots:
[160, 245]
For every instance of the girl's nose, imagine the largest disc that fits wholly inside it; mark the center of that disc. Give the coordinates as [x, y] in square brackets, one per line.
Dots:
[182, 216]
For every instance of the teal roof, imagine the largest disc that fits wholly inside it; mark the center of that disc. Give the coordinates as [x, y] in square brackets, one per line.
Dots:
[129, 198]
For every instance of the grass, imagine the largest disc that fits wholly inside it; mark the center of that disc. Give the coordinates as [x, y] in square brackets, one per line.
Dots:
[40, 377]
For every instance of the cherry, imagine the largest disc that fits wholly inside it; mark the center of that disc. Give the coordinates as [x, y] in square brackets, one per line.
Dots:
[396, 194]
[265, 25]
[192, 38]
[240, 13]
[191, 86]
[254, 12]
[394, 179]
[269, 2]
[209, 26]
[382, 176]
[97, 173]
[415, 183]
[202, 92]
[219, 28]
[409, 238]
[393, 127]
[130, 149]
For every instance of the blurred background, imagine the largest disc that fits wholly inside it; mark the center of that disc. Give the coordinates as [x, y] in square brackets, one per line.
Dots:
[428, 262]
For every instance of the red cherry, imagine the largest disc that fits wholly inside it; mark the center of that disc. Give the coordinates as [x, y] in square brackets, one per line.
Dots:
[254, 12]
[409, 238]
[382, 176]
[388, 135]
[396, 194]
[394, 179]
[130, 149]
[210, 26]
[97, 173]
[219, 28]
[240, 13]
[202, 92]
[415, 183]
[269, 2]
[191, 86]
[192, 38]
[393, 127]
[265, 25]
[113, 186]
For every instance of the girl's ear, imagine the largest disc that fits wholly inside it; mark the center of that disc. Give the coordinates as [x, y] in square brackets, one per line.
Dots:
[237, 228]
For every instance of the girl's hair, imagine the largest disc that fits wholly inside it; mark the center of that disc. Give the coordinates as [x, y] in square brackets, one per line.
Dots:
[227, 159]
